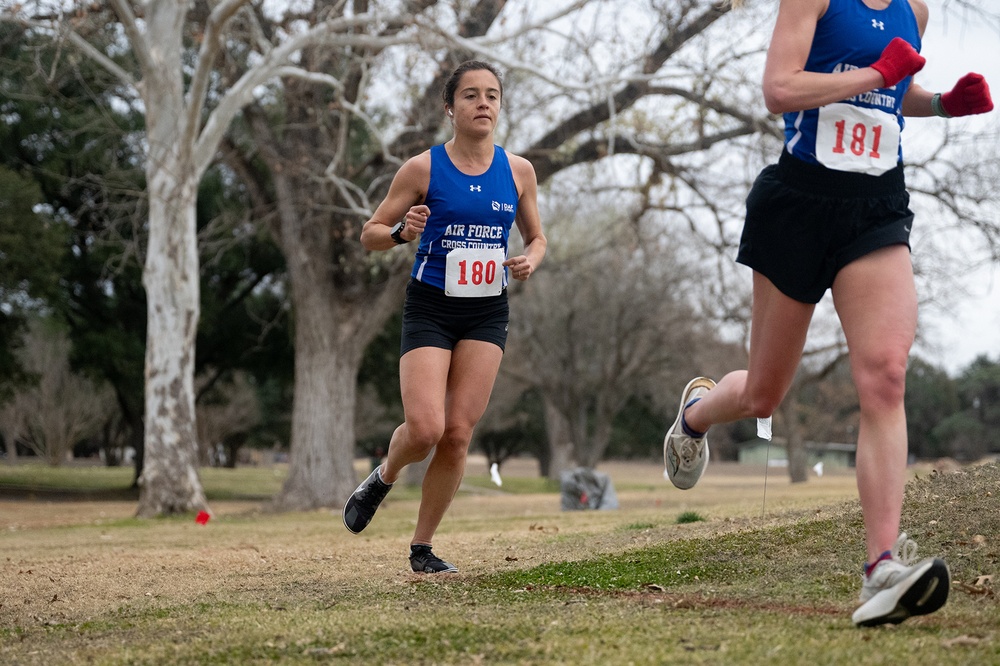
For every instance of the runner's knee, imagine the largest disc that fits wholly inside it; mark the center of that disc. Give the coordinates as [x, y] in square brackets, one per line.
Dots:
[761, 404]
[881, 382]
[423, 434]
[455, 440]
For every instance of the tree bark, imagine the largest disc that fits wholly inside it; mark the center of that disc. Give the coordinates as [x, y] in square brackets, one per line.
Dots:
[798, 458]
[558, 429]
[169, 482]
[332, 330]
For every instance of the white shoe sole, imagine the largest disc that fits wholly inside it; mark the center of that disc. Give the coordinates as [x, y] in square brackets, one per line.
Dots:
[924, 591]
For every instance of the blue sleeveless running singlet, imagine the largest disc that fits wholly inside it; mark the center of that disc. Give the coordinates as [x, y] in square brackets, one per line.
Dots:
[466, 212]
[851, 35]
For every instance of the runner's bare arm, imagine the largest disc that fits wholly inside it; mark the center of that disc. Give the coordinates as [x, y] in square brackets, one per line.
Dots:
[787, 86]
[403, 201]
[528, 220]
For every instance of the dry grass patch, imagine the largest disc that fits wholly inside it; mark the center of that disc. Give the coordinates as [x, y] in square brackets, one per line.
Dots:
[85, 583]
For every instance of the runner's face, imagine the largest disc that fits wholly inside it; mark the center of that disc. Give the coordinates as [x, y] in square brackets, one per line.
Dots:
[477, 101]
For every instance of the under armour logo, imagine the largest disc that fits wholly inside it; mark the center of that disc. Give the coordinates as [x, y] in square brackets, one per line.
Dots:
[475, 188]
[878, 24]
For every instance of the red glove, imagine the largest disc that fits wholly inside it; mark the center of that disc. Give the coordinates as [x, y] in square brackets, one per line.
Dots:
[898, 61]
[970, 95]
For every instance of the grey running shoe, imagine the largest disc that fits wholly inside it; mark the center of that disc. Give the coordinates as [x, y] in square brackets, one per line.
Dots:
[896, 588]
[684, 457]
[422, 560]
[361, 506]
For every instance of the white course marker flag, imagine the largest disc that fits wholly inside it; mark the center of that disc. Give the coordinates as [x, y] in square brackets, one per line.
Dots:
[764, 428]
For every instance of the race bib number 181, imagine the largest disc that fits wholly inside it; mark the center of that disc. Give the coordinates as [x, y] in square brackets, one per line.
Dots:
[474, 272]
[852, 138]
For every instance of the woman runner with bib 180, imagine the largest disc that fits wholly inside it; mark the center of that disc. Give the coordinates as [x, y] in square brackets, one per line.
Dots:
[459, 199]
[833, 214]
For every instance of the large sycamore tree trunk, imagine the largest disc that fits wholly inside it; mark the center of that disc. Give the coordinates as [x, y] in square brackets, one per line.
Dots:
[337, 307]
[332, 331]
[169, 481]
[323, 408]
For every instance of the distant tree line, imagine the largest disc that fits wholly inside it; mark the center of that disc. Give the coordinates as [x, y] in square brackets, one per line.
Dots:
[57, 413]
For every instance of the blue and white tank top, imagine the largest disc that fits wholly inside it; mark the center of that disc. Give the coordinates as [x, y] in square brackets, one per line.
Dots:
[859, 134]
[467, 213]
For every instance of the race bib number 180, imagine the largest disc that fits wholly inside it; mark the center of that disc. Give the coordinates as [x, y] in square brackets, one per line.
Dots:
[851, 138]
[474, 272]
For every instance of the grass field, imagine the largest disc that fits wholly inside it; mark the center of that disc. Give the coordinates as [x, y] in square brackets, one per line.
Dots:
[761, 579]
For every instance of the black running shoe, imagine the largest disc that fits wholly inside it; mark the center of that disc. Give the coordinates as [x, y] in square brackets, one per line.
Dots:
[361, 506]
[422, 560]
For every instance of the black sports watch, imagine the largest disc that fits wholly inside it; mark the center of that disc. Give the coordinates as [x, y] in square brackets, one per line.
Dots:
[397, 233]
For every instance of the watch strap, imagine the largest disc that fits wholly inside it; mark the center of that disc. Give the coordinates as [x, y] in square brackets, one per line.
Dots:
[397, 233]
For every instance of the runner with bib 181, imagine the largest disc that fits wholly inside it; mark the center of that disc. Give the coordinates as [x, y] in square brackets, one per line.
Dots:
[833, 213]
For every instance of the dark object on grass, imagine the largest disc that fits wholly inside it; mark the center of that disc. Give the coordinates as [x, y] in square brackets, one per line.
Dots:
[584, 488]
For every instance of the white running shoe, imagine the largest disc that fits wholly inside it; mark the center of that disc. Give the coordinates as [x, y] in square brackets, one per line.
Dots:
[897, 589]
[685, 458]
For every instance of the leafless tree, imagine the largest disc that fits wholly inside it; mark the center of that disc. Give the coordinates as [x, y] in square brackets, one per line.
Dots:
[225, 418]
[61, 407]
[609, 318]
[11, 428]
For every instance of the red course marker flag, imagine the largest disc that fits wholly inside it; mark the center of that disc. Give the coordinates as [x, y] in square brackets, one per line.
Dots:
[202, 517]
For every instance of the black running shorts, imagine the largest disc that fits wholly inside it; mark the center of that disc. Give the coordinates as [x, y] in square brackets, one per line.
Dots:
[432, 319]
[805, 222]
